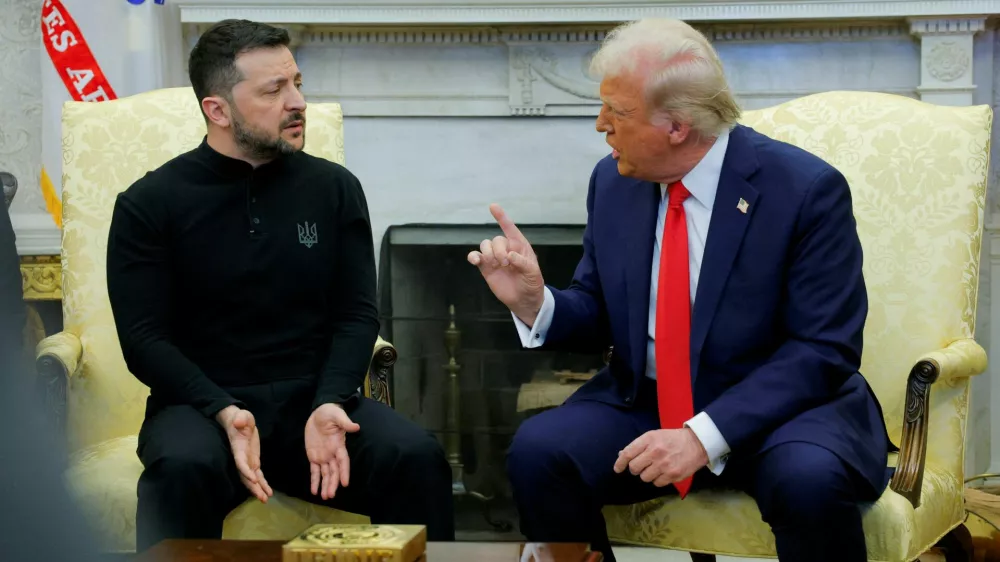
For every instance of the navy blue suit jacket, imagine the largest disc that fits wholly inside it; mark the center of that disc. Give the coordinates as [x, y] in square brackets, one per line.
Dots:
[776, 332]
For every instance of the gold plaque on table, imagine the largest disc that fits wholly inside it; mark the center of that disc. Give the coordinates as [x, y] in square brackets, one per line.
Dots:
[357, 543]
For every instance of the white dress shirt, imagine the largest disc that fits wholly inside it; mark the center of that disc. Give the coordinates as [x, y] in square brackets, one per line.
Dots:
[702, 182]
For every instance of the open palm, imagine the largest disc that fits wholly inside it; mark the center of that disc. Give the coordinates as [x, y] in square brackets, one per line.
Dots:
[244, 442]
[326, 447]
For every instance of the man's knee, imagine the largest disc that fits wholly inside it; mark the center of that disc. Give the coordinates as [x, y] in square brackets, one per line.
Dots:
[406, 449]
[187, 466]
[182, 446]
[532, 451]
[423, 451]
[803, 482]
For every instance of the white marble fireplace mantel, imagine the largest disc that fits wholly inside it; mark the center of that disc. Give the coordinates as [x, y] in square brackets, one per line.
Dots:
[484, 58]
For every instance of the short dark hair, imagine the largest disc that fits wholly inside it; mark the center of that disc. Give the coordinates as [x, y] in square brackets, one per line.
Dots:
[212, 64]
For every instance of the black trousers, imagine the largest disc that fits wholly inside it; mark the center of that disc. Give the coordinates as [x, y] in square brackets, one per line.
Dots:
[561, 469]
[399, 473]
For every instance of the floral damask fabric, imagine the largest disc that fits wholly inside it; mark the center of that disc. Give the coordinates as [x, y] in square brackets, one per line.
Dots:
[729, 523]
[918, 177]
[106, 147]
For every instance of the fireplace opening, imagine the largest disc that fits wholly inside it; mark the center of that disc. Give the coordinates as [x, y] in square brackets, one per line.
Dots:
[461, 372]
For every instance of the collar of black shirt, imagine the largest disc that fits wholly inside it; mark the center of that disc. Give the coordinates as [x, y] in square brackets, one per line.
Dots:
[234, 168]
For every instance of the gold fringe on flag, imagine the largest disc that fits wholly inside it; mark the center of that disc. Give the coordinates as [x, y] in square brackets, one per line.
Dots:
[52, 203]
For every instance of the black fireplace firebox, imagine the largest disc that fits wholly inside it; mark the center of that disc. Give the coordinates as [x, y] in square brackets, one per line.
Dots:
[461, 372]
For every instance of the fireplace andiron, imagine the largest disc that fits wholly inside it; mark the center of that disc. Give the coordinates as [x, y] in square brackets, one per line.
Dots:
[453, 435]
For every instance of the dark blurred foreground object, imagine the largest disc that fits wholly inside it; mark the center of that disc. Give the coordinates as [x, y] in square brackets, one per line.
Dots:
[12, 316]
[8, 184]
[38, 519]
[175, 550]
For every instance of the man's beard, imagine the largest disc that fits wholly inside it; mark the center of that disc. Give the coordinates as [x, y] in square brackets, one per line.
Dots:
[258, 145]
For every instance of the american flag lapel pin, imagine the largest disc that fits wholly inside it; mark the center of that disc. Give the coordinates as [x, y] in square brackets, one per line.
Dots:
[743, 206]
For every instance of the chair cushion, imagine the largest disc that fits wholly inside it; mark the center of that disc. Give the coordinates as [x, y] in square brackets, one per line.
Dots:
[729, 523]
[103, 478]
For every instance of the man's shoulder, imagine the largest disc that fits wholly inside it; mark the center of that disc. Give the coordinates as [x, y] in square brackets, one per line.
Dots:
[155, 183]
[606, 170]
[313, 165]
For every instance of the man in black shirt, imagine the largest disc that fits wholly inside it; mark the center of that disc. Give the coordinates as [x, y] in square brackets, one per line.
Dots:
[242, 280]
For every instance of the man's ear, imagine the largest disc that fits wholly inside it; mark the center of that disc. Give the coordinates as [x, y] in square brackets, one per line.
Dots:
[678, 132]
[217, 110]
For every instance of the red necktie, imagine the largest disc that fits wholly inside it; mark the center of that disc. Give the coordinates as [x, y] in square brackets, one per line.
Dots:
[673, 321]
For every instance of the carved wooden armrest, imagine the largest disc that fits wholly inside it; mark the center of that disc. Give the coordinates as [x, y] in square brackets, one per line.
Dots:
[58, 355]
[962, 358]
[377, 382]
[57, 358]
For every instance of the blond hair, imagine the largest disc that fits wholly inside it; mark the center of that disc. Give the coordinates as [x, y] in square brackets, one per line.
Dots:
[684, 78]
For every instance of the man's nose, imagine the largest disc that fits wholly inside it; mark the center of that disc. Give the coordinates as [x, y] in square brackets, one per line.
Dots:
[602, 124]
[297, 102]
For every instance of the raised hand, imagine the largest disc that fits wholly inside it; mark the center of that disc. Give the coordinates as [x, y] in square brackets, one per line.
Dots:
[326, 448]
[244, 442]
[510, 268]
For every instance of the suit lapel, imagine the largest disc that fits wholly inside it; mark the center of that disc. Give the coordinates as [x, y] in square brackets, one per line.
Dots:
[725, 232]
[640, 236]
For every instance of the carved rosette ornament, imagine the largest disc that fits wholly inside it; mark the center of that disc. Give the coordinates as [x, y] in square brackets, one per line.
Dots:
[948, 61]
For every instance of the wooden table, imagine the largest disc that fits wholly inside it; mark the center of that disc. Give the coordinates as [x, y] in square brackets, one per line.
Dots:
[270, 551]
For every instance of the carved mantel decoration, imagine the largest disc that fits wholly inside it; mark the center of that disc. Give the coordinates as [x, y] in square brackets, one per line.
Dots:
[41, 278]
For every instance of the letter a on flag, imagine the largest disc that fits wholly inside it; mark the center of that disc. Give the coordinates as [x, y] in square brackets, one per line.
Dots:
[98, 50]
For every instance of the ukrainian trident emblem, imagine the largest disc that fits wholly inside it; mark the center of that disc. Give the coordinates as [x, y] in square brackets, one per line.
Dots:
[307, 235]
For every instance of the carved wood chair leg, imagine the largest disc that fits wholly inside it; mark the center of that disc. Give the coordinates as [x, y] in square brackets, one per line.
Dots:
[698, 557]
[957, 545]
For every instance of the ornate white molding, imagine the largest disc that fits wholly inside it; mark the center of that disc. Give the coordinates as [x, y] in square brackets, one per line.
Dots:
[552, 80]
[946, 58]
[534, 71]
[952, 26]
[345, 12]
[37, 235]
[481, 35]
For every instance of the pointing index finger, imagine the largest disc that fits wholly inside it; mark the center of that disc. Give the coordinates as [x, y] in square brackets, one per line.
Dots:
[506, 225]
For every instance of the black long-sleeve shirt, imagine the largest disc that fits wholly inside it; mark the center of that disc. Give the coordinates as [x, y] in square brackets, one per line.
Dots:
[221, 275]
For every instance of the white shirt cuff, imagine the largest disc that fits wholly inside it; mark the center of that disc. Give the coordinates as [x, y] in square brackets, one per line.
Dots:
[535, 336]
[713, 441]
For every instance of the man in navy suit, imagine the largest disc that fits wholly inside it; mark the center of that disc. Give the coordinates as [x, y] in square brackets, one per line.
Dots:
[725, 269]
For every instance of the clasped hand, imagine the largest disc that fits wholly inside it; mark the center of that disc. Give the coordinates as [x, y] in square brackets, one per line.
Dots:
[663, 456]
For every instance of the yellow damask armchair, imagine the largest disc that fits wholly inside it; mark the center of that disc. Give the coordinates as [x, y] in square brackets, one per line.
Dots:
[918, 175]
[106, 147]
